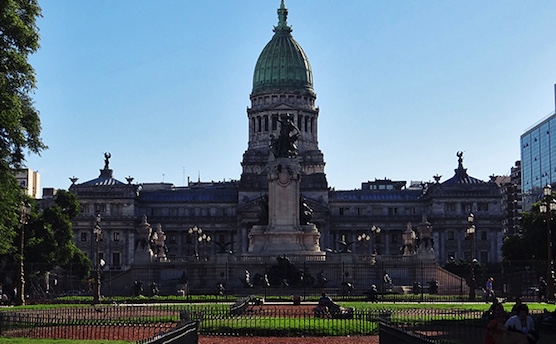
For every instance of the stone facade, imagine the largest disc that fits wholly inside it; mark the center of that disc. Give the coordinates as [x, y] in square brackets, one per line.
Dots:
[230, 212]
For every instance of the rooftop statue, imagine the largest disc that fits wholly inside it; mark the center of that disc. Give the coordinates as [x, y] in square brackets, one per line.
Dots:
[107, 157]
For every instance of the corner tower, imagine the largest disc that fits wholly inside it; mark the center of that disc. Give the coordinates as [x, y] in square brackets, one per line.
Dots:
[282, 84]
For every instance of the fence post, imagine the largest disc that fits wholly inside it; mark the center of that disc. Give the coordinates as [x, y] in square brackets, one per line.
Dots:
[422, 281]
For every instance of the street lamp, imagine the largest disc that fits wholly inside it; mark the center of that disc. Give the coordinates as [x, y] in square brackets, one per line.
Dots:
[204, 239]
[199, 237]
[97, 233]
[547, 206]
[24, 213]
[376, 235]
[470, 234]
[364, 239]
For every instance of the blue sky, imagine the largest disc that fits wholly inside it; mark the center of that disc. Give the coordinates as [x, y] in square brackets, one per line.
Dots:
[401, 85]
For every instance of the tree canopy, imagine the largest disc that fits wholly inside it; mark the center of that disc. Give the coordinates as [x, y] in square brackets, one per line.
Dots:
[531, 245]
[20, 124]
[50, 237]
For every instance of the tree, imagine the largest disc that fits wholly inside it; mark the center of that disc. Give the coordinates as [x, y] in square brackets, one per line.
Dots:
[19, 120]
[531, 245]
[51, 235]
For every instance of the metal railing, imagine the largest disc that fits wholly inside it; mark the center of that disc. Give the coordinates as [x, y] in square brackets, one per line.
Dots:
[134, 323]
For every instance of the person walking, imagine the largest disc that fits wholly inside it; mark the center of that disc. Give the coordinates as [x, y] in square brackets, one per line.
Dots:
[489, 290]
[542, 289]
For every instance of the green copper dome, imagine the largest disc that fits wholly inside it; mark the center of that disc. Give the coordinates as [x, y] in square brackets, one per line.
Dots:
[282, 63]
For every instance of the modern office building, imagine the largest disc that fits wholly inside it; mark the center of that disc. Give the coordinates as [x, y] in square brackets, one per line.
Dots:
[30, 181]
[538, 158]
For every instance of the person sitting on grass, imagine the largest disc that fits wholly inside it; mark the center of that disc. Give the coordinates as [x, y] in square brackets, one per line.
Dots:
[322, 307]
[523, 324]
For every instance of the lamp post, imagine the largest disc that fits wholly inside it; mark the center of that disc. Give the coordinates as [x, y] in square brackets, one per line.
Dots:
[204, 239]
[97, 233]
[364, 239]
[470, 234]
[547, 206]
[24, 212]
[199, 237]
[376, 235]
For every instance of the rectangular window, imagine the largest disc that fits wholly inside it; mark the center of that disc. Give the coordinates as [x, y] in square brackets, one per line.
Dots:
[172, 239]
[100, 208]
[484, 235]
[395, 238]
[84, 236]
[116, 236]
[450, 235]
[482, 206]
[466, 207]
[116, 259]
[450, 207]
[484, 257]
[393, 211]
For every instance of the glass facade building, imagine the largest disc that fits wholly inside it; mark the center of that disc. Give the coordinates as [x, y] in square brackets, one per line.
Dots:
[538, 160]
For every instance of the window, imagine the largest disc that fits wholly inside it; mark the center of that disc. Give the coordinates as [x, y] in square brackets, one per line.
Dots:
[100, 208]
[466, 207]
[172, 239]
[393, 211]
[116, 262]
[482, 207]
[395, 238]
[84, 236]
[344, 211]
[484, 257]
[116, 236]
[484, 235]
[450, 207]
[450, 235]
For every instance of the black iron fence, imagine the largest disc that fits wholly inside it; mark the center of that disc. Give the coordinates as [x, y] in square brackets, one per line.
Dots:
[411, 281]
[135, 323]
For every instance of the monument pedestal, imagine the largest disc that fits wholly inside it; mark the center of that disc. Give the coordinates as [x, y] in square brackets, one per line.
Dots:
[303, 240]
[284, 233]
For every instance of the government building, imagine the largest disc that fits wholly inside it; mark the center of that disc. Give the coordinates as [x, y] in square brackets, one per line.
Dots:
[203, 220]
